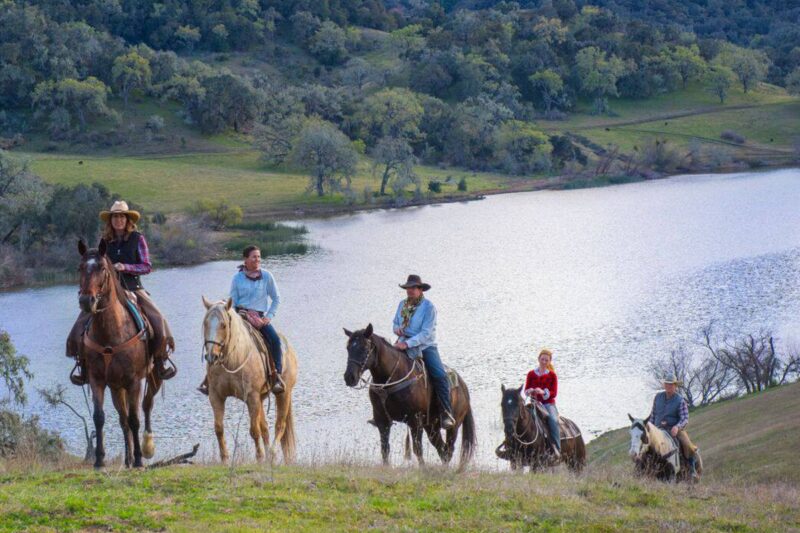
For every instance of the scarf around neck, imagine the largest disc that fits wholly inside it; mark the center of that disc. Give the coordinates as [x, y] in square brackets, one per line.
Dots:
[409, 307]
[247, 275]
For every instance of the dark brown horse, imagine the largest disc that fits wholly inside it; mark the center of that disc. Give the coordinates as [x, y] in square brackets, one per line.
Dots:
[116, 356]
[400, 392]
[526, 437]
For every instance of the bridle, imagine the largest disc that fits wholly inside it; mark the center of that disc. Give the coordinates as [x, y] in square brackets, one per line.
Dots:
[645, 441]
[210, 359]
[102, 293]
[372, 351]
[517, 436]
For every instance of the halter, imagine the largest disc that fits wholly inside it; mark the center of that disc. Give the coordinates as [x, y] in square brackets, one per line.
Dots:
[363, 365]
[103, 289]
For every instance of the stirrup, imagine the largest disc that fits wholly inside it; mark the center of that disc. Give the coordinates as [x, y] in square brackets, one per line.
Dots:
[203, 389]
[279, 386]
[446, 421]
[163, 372]
[78, 379]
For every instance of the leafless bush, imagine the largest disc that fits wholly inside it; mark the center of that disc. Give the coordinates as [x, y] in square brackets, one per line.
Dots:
[732, 136]
[753, 358]
[705, 380]
[180, 242]
[660, 155]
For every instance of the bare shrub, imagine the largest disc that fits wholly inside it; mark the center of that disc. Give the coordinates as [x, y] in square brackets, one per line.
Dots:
[705, 380]
[181, 242]
[660, 155]
[732, 136]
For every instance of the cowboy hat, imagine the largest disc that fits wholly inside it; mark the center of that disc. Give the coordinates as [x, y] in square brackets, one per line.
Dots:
[672, 379]
[414, 281]
[120, 206]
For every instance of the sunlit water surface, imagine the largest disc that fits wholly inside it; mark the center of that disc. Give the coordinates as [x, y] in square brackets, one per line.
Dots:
[607, 278]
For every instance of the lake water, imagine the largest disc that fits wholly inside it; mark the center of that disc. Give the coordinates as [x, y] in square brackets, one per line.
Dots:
[607, 278]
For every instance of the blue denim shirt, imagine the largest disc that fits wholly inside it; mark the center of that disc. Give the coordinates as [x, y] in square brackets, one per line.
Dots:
[259, 295]
[421, 330]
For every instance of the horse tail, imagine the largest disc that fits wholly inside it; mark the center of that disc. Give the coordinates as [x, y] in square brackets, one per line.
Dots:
[288, 443]
[579, 460]
[468, 439]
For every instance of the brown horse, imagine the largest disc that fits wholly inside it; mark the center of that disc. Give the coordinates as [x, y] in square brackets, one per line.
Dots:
[234, 353]
[526, 441]
[400, 392]
[116, 356]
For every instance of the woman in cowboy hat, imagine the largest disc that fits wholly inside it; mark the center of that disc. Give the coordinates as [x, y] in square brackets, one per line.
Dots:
[415, 326]
[671, 413]
[127, 250]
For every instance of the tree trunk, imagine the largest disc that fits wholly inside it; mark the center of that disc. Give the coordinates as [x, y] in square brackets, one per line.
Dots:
[320, 180]
[385, 179]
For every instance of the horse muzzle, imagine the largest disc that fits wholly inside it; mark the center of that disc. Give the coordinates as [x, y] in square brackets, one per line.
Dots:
[88, 303]
[352, 377]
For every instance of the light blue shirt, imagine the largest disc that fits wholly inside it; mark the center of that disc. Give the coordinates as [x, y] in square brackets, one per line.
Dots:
[258, 295]
[421, 330]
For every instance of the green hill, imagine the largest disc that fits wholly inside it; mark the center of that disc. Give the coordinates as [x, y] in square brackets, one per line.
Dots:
[746, 440]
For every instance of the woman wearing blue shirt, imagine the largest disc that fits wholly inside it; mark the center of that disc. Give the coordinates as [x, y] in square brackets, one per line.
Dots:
[255, 295]
[415, 325]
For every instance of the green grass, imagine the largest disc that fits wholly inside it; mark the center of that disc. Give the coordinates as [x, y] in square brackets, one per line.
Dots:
[749, 439]
[349, 498]
[173, 183]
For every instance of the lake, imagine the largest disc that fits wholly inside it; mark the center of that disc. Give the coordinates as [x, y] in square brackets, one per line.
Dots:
[607, 278]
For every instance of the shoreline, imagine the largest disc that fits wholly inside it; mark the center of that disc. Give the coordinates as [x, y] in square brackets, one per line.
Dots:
[295, 213]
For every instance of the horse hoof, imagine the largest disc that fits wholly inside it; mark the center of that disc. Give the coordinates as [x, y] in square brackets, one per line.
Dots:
[148, 446]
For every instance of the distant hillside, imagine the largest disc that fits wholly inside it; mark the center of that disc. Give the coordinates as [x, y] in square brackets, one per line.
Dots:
[750, 439]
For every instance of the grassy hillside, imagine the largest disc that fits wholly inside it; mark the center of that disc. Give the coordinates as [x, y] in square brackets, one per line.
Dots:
[348, 498]
[750, 439]
[170, 174]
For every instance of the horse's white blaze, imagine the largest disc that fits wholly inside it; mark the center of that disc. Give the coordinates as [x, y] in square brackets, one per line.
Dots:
[636, 441]
[91, 263]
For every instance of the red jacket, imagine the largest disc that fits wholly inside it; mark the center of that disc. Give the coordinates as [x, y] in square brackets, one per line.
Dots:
[547, 382]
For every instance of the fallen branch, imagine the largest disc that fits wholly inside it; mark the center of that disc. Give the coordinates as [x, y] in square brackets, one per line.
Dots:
[177, 460]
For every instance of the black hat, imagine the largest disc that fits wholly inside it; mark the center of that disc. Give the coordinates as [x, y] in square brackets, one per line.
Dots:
[415, 281]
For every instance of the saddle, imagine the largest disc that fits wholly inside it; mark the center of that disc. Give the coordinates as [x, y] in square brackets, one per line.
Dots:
[132, 305]
[263, 350]
[569, 430]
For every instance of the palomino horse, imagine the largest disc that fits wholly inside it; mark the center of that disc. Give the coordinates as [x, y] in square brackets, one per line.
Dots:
[116, 356]
[236, 367]
[655, 453]
[400, 392]
[526, 443]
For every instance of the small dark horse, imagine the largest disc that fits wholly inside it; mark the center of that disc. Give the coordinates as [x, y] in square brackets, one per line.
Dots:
[656, 454]
[526, 443]
[116, 356]
[400, 392]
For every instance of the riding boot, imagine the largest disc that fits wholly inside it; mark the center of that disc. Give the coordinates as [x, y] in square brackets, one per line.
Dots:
[203, 388]
[693, 467]
[162, 371]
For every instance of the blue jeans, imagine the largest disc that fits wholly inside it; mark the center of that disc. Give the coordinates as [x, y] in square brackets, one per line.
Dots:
[274, 341]
[438, 376]
[552, 422]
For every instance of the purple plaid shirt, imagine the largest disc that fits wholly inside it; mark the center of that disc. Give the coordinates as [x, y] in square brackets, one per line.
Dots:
[144, 266]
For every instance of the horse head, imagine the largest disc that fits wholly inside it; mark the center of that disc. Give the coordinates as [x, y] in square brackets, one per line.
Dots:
[639, 438]
[513, 408]
[360, 354]
[96, 276]
[216, 328]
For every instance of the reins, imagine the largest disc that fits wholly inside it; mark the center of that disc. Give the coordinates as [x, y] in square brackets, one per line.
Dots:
[223, 347]
[517, 436]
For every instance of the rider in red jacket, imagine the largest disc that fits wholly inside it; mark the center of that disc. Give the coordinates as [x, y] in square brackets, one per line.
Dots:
[542, 385]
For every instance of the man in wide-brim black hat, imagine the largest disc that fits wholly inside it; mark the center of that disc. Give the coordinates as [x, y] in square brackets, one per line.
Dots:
[415, 326]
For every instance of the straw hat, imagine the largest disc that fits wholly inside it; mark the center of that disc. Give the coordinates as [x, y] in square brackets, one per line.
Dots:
[120, 206]
[673, 380]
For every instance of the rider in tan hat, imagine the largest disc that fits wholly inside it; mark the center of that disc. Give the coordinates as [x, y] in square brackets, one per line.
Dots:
[670, 412]
[127, 250]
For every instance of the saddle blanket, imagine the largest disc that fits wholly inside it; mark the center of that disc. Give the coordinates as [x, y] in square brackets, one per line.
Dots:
[452, 376]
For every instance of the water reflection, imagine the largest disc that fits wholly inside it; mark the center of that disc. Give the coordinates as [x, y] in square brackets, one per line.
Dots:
[605, 277]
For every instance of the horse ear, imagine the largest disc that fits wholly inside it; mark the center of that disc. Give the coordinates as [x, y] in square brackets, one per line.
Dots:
[348, 332]
[207, 303]
[502, 388]
[101, 248]
[632, 419]
[368, 331]
[82, 247]
[229, 304]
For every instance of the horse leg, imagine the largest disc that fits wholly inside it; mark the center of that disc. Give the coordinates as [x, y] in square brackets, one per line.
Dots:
[416, 439]
[435, 437]
[384, 431]
[218, 406]
[153, 384]
[133, 400]
[120, 403]
[99, 416]
[284, 426]
[256, 411]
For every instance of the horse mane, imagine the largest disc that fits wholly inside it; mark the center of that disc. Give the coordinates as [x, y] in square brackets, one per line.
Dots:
[236, 345]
